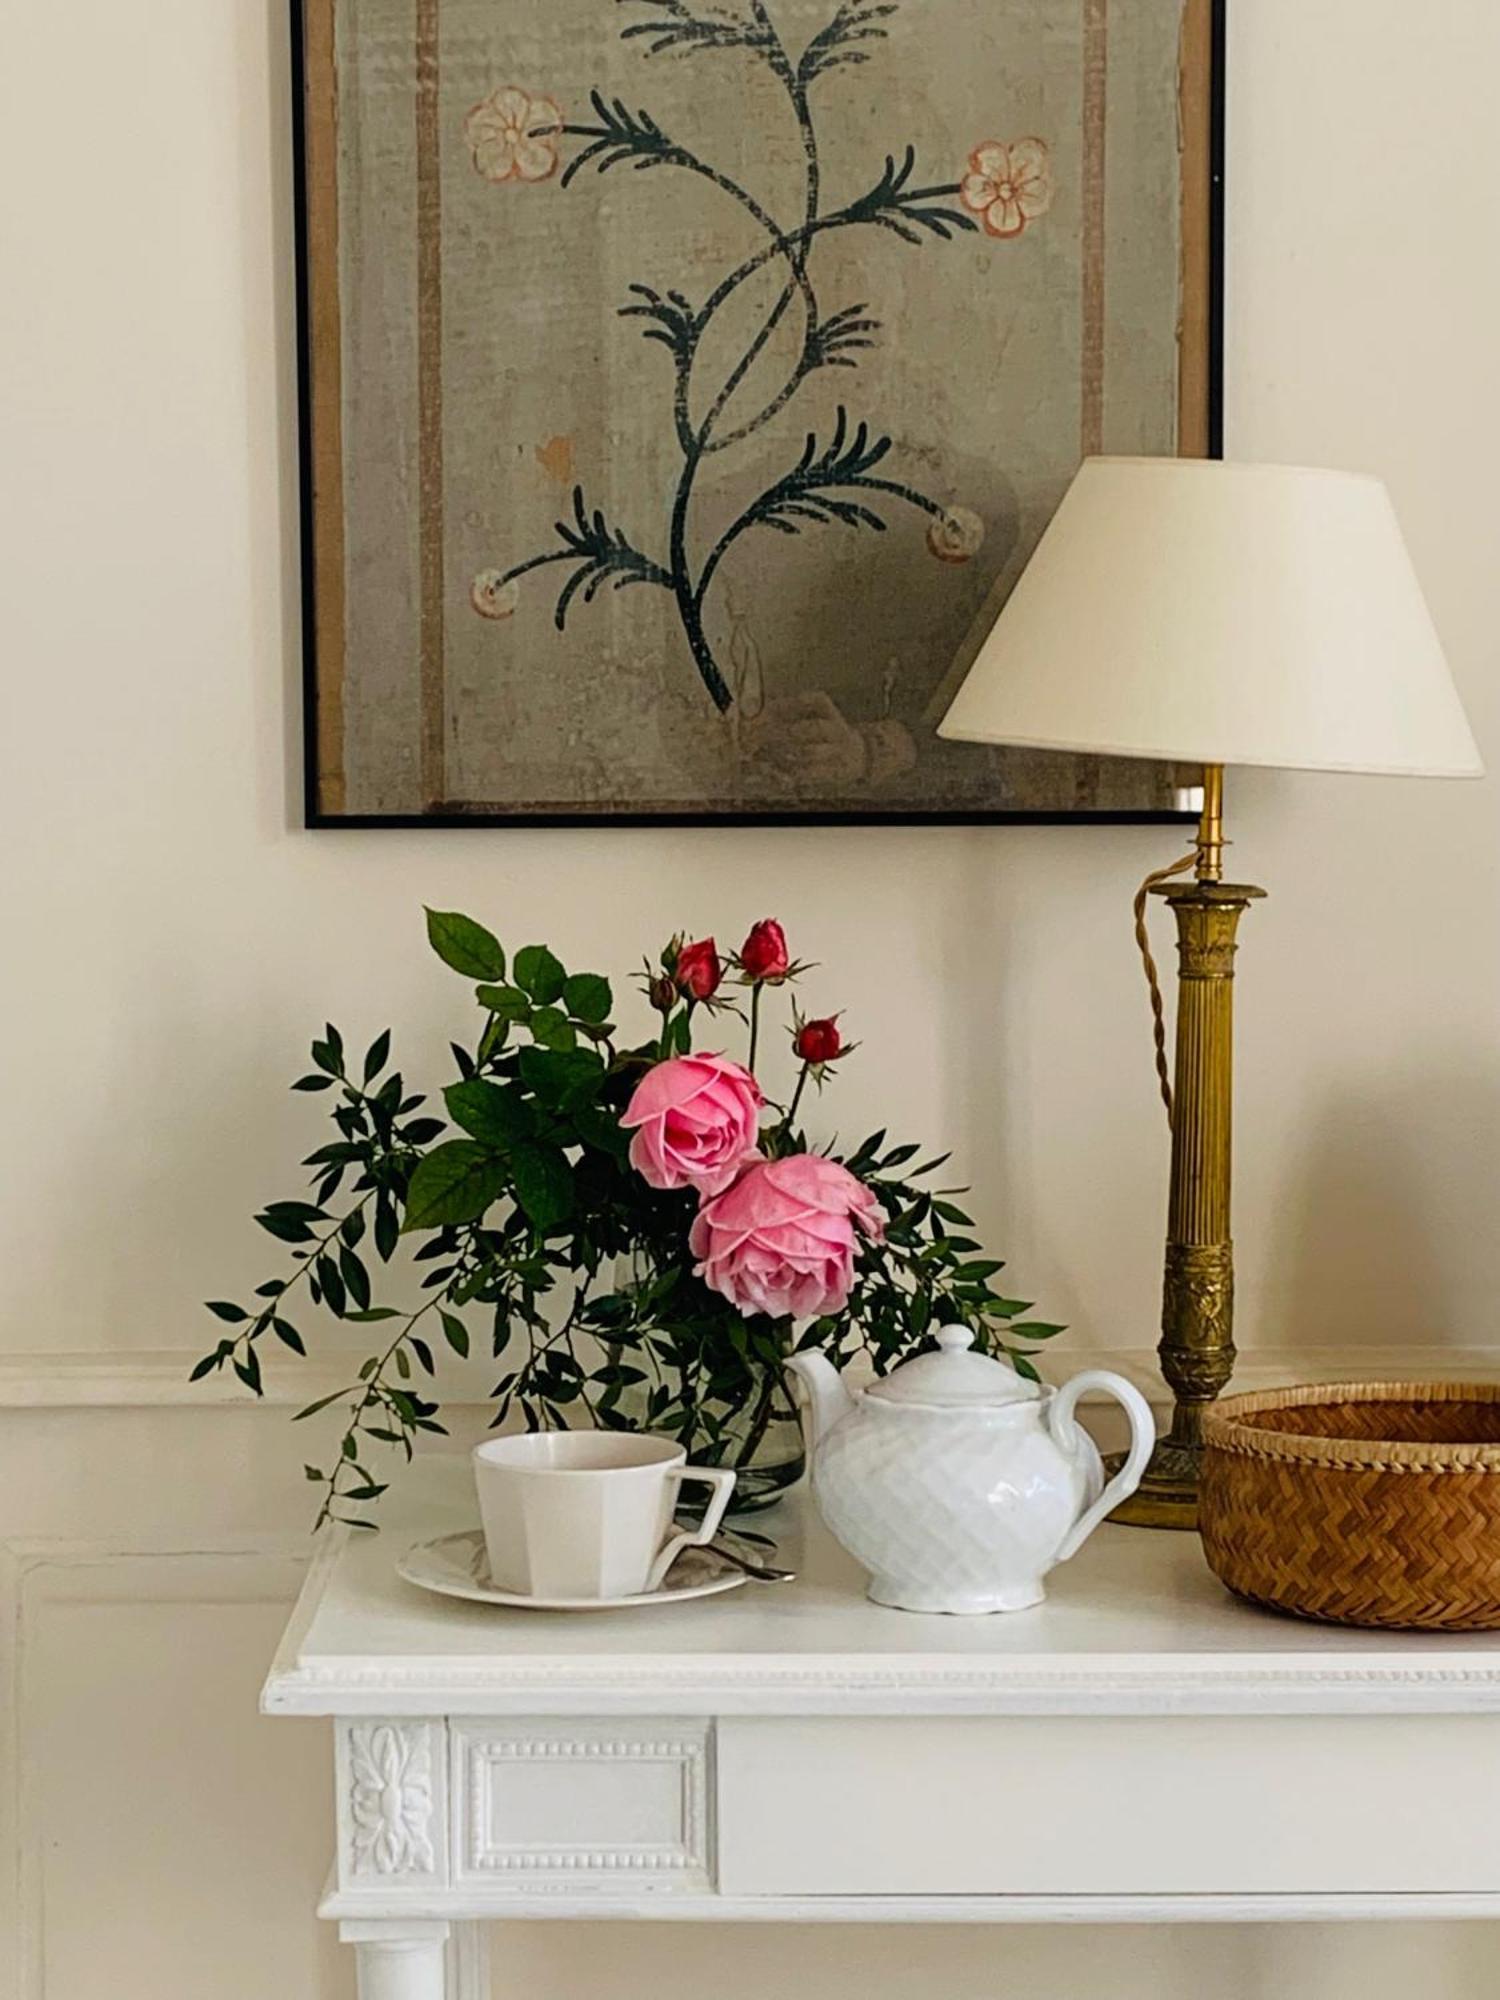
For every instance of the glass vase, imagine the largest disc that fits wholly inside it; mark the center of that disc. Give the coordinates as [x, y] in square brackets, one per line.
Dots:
[743, 1416]
[763, 1444]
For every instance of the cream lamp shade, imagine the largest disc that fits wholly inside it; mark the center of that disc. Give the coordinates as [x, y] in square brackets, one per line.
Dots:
[1206, 612]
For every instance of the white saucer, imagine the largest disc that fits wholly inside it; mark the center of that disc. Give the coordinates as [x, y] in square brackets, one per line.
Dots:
[457, 1566]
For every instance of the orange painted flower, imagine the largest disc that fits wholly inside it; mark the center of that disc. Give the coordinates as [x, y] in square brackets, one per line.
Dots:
[956, 536]
[1009, 185]
[513, 136]
[494, 595]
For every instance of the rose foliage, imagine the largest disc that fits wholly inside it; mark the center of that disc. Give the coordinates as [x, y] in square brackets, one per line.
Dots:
[630, 1231]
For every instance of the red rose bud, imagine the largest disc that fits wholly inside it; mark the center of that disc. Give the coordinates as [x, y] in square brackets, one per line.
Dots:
[699, 970]
[819, 1041]
[663, 995]
[764, 955]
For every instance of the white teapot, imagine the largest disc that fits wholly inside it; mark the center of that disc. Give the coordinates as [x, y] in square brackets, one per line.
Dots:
[956, 1482]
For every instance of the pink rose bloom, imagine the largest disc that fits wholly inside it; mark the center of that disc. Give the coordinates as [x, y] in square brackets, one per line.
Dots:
[782, 1239]
[696, 1121]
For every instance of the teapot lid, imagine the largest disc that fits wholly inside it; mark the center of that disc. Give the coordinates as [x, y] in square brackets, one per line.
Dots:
[955, 1378]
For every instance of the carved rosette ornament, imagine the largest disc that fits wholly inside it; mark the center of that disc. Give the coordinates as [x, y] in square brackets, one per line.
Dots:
[390, 1799]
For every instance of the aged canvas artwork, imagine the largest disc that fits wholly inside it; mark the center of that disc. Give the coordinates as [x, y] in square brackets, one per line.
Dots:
[687, 379]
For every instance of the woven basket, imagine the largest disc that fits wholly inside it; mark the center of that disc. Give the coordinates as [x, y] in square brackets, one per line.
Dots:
[1366, 1503]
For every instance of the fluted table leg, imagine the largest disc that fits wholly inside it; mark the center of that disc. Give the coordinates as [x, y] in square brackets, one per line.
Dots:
[399, 1961]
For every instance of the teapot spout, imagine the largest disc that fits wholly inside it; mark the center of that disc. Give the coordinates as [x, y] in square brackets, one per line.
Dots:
[825, 1399]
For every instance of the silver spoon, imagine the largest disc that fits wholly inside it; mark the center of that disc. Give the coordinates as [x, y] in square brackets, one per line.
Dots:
[762, 1572]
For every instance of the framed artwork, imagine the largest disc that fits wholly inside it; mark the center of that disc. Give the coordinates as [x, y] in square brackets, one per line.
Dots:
[686, 382]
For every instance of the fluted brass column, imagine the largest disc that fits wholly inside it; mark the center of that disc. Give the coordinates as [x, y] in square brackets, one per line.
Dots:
[1197, 1337]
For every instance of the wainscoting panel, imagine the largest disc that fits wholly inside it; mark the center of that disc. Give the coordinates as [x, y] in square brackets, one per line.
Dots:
[171, 1840]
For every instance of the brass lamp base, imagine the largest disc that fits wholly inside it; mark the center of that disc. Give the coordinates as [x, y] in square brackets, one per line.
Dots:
[1168, 1495]
[1197, 1338]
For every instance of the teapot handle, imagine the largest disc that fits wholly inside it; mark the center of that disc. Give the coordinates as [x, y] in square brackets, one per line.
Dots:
[1064, 1428]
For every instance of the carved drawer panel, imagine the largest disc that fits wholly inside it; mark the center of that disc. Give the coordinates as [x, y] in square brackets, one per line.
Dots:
[622, 1805]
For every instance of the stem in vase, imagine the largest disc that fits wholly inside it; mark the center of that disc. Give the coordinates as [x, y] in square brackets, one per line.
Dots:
[760, 1423]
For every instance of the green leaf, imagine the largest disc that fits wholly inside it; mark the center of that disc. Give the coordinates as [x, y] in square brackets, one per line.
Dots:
[589, 997]
[562, 1079]
[372, 1314]
[489, 1112]
[313, 1083]
[222, 1309]
[247, 1367]
[311, 1472]
[456, 1333]
[509, 1002]
[387, 1228]
[205, 1367]
[356, 1278]
[464, 945]
[539, 972]
[321, 1404]
[552, 1029]
[1034, 1329]
[544, 1185]
[454, 1183]
[332, 1286]
[285, 1228]
[599, 1128]
[288, 1335]
[378, 1054]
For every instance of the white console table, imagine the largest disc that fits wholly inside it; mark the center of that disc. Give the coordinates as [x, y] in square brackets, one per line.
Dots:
[1142, 1747]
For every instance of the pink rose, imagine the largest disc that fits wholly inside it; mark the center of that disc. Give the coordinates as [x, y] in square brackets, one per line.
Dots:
[696, 1121]
[781, 1240]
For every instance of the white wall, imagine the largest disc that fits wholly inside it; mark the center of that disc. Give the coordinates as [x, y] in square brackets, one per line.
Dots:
[171, 937]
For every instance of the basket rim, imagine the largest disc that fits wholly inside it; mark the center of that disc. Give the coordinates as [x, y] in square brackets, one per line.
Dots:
[1227, 1428]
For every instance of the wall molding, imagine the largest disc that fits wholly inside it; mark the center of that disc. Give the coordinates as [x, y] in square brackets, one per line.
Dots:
[37, 1575]
[157, 1378]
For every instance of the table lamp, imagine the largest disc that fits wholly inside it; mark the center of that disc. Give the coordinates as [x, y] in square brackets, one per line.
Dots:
[1208, 613]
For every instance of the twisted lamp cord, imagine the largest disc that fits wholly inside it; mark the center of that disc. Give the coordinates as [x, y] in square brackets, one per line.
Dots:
[1153, 980]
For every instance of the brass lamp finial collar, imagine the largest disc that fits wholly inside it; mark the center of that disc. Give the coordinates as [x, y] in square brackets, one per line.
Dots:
[1210, 866]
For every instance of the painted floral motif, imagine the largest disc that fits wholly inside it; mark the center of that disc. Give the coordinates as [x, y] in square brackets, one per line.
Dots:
[1008, 185]
[957, 536]
[390, 1799]
[513, 136]
[494, 595]
[844, 478]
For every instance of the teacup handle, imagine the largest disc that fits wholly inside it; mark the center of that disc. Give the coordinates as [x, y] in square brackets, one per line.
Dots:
[722, 1481]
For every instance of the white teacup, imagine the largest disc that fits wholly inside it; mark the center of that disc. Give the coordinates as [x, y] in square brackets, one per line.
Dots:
[587, 1513]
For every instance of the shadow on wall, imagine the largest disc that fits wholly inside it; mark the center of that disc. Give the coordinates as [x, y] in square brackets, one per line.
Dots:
[1367, 1243]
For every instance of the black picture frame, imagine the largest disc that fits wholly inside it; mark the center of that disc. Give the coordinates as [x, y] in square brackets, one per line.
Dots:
[315, 818]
